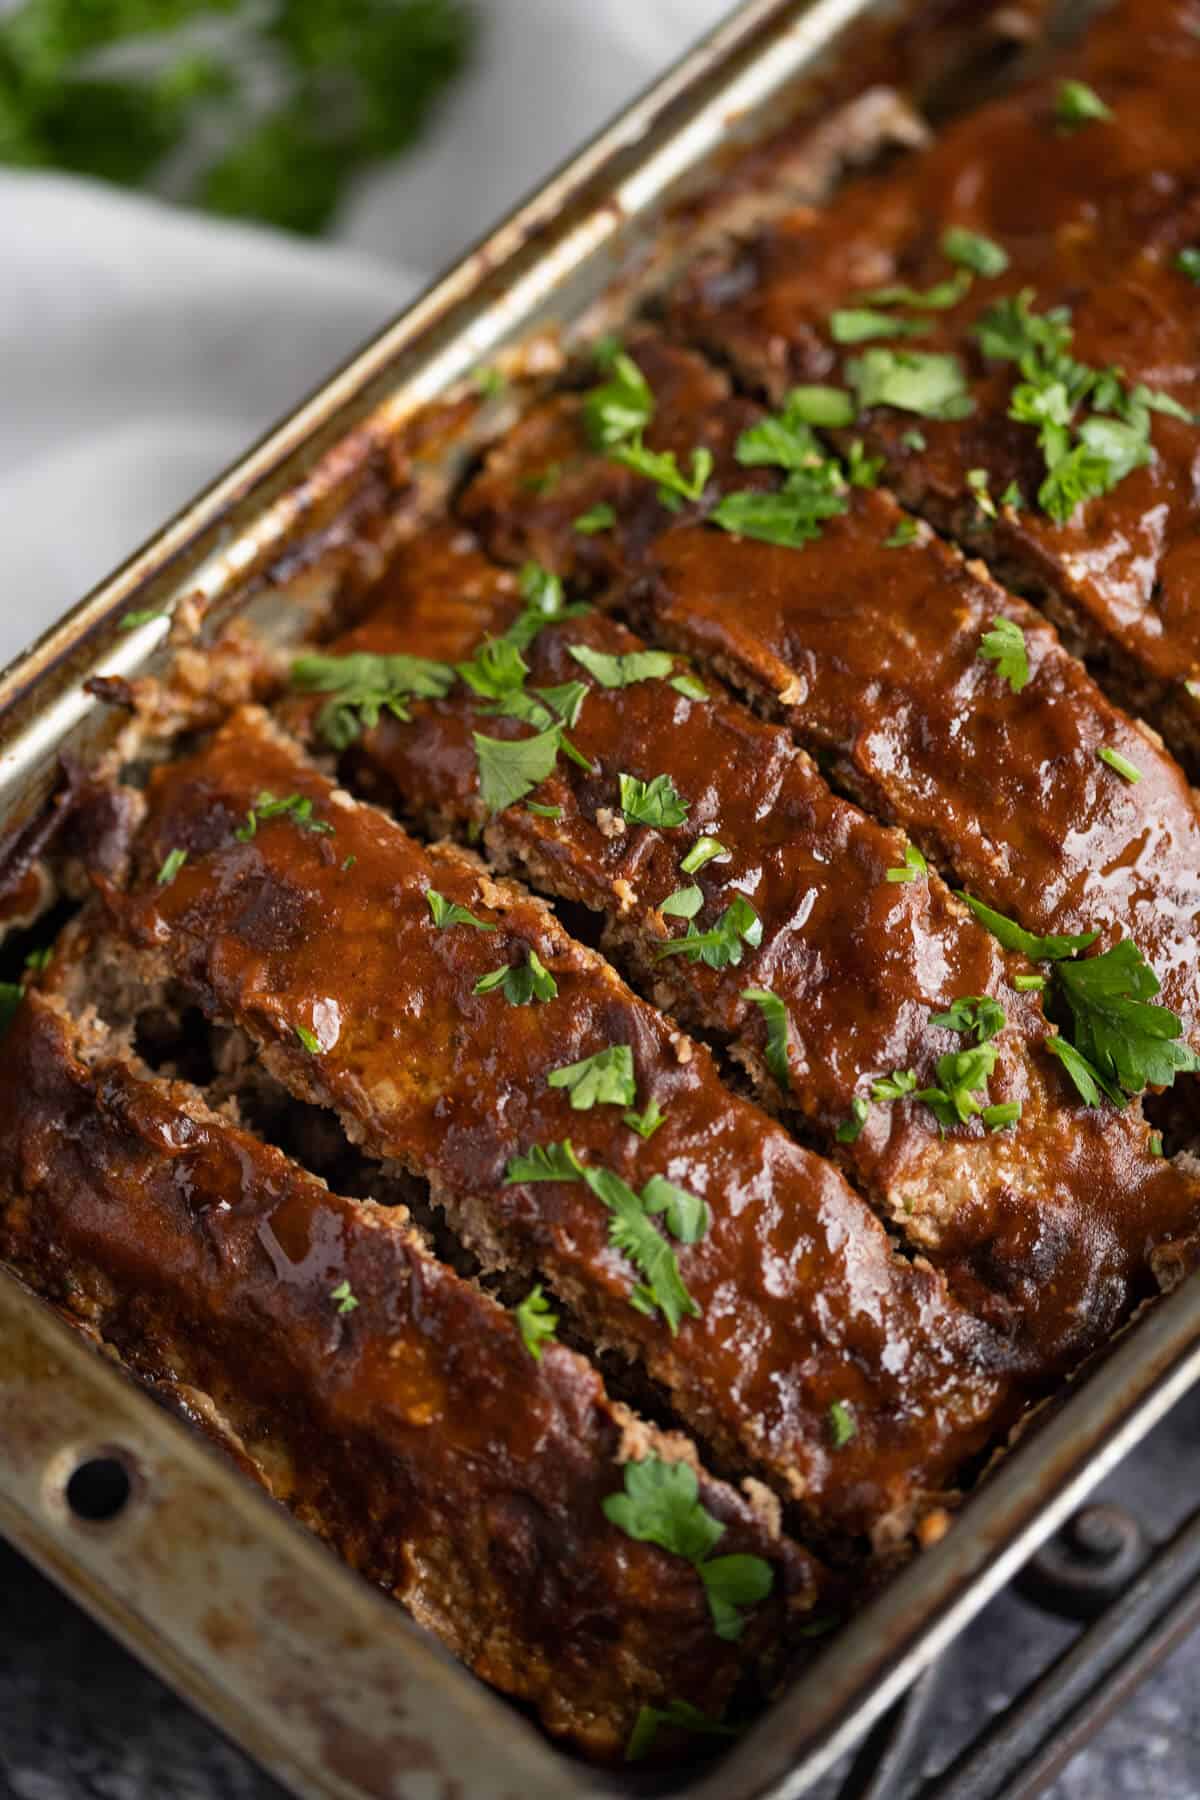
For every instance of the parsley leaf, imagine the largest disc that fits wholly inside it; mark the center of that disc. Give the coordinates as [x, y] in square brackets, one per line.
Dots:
[684, 903]
[1002, 1115]
[496, 670]
[1121, 764]
[1014, 937]
[520, 983]
[510, 768]
[937, 298]
[1004, 645]
[914, 867]
[605, 1079]
[690, 686]
[894, 1086]
[723, 945]
[660, 1504]
[842, 1424]
[982, 255]
[623, 671]
[344, 1296]
[851, 1128]
[1129, 1043]
[630, 1231]
[545, 604]
[905, 532]
[780, 440]
[679, 1715]
[686, 1214]
[931, 383]
[131, 620]
[172, 863]
[790, 515]
[545, 1162]
[646, 1122]
[363, 686]
[775, 1016]
[268, 806]
[704, 850]
[1077, 104]
[449, 912]
[1188, 263]
[961, 1074]
[817, 405]
[535, 1321]
[601, 517]
[660, 466]
[654, 802]
[972, 1013]
[859, 324]
[309, 1039]
[543, 812]
[621, 407]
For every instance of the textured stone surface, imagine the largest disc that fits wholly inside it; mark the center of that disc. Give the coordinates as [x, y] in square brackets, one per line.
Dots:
[80, 1720]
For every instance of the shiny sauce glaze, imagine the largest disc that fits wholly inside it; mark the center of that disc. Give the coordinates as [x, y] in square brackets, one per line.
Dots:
[441, 1459]
[1091, 218]
[861, 963]
[802, 1301]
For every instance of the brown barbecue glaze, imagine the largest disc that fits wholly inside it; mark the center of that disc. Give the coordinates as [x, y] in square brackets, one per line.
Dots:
[803, 1301]
[1044, 1229]
[1092, 219]
[415, 1431]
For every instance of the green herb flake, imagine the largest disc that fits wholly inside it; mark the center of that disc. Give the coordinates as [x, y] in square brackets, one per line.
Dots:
[621, 407]
[686, 1215]
[1128, 1042]
[601, 517]
[545, 604]
[1029, 984]
[660, 1504]
[982, 255]
[343, 1294]
[684, 903]
[646, 1122]
[851, 1128]
[842, 1425]
[863, 471]
[349, 863]
[723, 946]
[662, 1287]
[308, 1039]
[704, 850]
[1121, 764]
[1156, 1143]
[859, 324]
[962, 1075]
[930, 383]
[623, 671]
[894, 1086]
[1002, 1115]
[543, 812]
[488, 381]
[914, 440]
[1077, 104]
[914, 867]
[978, 482]
[545, 1162]
[172, 864]
[677, 1715]
[662, 467]
[690, 686]
[449, 912]
[775, 1017]
[605, 1079]
[535, 1321]
[520, 983]
[510, 768]
[131, 620]
[295, 807]
[939, 297]
[363, 686]
[1052, 948]
[976, 1015]
[905, 532]
[828, 407]
[655, 802]
[1188, 263]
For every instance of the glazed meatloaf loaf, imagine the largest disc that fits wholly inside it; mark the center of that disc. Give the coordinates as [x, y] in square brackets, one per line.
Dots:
[615, 1078]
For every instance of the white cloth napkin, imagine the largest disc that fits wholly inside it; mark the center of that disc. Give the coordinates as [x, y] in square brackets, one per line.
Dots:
[142, 348]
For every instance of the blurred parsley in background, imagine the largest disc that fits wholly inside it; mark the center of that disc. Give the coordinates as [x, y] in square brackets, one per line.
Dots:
[258, 109]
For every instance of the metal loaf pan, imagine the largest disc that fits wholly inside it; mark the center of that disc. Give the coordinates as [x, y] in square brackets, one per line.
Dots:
[320, 1679]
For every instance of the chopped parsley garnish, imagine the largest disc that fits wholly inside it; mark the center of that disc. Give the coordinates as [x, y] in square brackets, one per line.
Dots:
[678, 1715]
[982, 255]
[817, 405]
[1120, 763]
[931, 383]
[851, 1128]
[859, 324]
[543, 812]
[690, 686]
[1077, 104]
[660, 1504]
[661, 467]
[842, 1426]
[862, 470]
[646, 1122]
[704, 850]
[545, 604]
[621, 407]
[1029, 984]
[623, 671]
[686, 1214]
[654, 802]
[790, 516]
[363, 685]
[496, 670]
[894, 1086]
[978, 482]
[1004, 645]
[905, 532]
[38, 961]
[510, 768]
[684, 903]
[131, 620]
[782, 440]
[601, 517]
[775, 1017]
[545, 1162]
[309, 1039]
[723, 945]
[349, 863]
[1128, 1043]
[535, 1321]
[937, 298]
[344, 1296]
[295, 807]
[488, 381]
[605, 1079]
[1002, 1115]
[520, 983]
[976, 1015]
[914, 867]
[172, 864]
[1014, 937]
[1188, 263]
[1156, 1143]
[962, 1075]
[914, 440]
[449, 912]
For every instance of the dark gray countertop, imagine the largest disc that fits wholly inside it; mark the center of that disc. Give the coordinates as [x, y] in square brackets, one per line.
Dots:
[80, 1720]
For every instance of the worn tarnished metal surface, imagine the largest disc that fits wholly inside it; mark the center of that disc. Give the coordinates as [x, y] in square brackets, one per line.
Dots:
[320, 1679]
